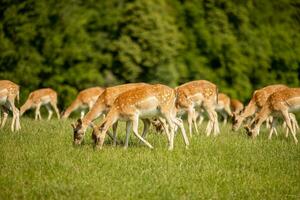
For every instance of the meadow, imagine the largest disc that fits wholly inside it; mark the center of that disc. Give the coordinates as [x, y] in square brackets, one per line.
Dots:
[40, 162]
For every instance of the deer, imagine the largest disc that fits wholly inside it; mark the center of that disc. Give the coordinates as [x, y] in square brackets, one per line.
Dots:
[198, 94]
[85, 98]
[223, 107]
[38, 98]
[257, 101]
[236, 107]
[280, 103]
[142, 103]
[9, 92]
[101, 107]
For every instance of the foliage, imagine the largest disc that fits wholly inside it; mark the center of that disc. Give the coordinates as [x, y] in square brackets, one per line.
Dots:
[73, 44]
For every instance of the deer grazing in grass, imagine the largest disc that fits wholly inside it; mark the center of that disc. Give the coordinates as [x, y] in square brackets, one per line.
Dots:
[280, 103]
[38, 98]
[142, 103]
[257, 101]
[9, 91]
[85, 98]
[102, 106]
[198, 94]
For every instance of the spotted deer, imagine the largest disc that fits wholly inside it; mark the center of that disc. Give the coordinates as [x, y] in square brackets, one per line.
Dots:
[280, 103]
[201, 94]
[142, 103]
[85, 99]
[42, 97]
[102, 106]
[257, 101]
[9, 92]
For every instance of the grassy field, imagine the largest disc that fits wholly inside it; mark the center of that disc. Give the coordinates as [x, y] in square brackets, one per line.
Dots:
[40, 162]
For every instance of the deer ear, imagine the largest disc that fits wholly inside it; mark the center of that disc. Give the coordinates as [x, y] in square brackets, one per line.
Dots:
[73, 125]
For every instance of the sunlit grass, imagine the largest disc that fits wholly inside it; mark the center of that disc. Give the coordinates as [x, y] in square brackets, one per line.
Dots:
[40, 162]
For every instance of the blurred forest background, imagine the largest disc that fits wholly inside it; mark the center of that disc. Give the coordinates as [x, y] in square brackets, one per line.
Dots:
[70, 45]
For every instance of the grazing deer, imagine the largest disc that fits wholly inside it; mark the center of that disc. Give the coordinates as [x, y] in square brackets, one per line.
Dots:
[144, 102]
[257, 101]
[9, 91]
[202, 94]
[279, 103]
[85, 98]
[38, 98]
[223, 106]
[102, 106]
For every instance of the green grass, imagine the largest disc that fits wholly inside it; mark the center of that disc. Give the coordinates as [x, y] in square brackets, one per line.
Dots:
[40, 162]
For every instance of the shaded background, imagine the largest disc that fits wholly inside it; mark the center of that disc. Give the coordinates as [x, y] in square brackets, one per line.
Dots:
[70, 45]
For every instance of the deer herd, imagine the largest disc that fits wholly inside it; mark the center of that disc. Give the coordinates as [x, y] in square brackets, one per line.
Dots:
[161, 106]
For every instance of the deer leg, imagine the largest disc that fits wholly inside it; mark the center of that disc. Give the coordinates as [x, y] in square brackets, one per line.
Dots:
[50, 112]
[213, 118]
[190, 120]
[18, 125]
[294, 122]
[225, 119]
[37, 112]
[286, 130]
[194, 119]
[15, 125]
[128, 127]
[165, 126]
[16, 112]
[135, 123]
[115, 126]
[201, 119]
[146, 127]
[171, 126]
[287, 119]
[216, 123]
[54, 105]
[273, 128]
[179, 123]
[10, 106]
[209, 127]
[200, 115]
[5, 115]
